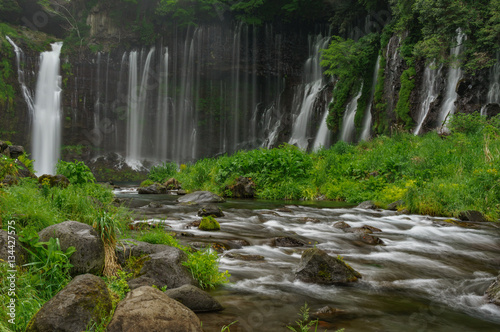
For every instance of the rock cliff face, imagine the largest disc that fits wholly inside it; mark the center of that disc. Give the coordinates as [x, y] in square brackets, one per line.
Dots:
[204, 91]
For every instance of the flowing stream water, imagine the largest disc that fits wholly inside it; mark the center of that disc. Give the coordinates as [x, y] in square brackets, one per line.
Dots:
[428, 275]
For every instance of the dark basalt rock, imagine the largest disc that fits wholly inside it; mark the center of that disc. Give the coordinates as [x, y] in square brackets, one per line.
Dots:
[14, 151]
[154, 189]
[286, 241]
[342, 225]
[89, 254]
[149, 309]
[83, 301]
[242, 188]
[210, 210]
[493, 291]
[316, 266]
[472, 215]
[194, 298]
[199, 197]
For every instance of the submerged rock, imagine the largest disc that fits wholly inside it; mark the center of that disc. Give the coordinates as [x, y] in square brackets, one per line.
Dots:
[316, 266]
[194, 298]
[286, 241]
[89, 254]
[493, 292]
[83, 301]
[199, 197]
[148, 309]
[342, 225]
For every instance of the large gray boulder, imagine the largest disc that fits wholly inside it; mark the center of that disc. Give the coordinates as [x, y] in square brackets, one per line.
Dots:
[154, 189]
[493, 292]
[194, 298]
[10, 244]
[199, 197]
[89, 254]
[316, 266]
[165, 269]
[127, 248]
[84, 300]
[148, 309]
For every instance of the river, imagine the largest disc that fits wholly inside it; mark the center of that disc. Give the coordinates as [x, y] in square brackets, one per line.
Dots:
[428, 275]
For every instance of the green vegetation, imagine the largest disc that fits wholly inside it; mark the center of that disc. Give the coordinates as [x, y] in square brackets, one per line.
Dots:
[432, 174]
[403, 105]
[203, 264]
[162, 173]
[76, 172]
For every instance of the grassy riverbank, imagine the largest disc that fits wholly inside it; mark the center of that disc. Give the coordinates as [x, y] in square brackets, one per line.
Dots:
[432, 174]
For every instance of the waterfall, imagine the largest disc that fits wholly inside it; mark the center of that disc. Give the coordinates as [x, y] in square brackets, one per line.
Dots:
[136, 104]
[430, 91]
[27, 94]
[454, 75]
[162, 123]
[308, 92]
[322, 139]
[348, 133]
[367, 123]
[493, 96]
[47, 113]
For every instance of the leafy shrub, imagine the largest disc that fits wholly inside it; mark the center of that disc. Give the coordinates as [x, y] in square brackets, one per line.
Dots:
[76, 172]
[159, 236]
[204, 266]
[163, 172]
[147, 183]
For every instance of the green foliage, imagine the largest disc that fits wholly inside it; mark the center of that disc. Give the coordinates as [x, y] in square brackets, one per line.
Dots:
[304, 324]
[379, 102]
[8, 166]
[209, 224]
[162, 173]
[403, 105]
[147, 183]
[49, 265]
[350, 62]
[159, 236]
[204, 266]
[118, 286]
[76, 172]
[28, 301]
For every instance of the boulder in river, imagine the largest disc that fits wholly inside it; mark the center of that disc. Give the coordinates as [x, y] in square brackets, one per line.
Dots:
[83, 301]
[149, 309]
[243, 187]
[493, 292]
[316, 266]
[165, 269]
[89, 254]
[472, 215]
[194, 298]
[172, 184]
[210, 210]
[209, 224]
[154, 189]
[367, 205]
[286, 241]
[199, 197]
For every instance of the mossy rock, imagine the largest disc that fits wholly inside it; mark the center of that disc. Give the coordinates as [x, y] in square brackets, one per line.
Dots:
[209, 224]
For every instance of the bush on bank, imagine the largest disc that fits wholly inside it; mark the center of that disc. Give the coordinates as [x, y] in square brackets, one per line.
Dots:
[434, 174]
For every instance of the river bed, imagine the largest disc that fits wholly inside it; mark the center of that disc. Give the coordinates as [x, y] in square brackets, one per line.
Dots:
[428, 275]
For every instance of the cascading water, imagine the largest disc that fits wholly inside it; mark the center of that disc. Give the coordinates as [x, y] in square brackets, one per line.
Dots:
[348, 133]
[137, 109]
[322, 139]
[367, 123]
[454, 75]
[47, 113]
[27, 94]
[493, 96]
[430, 92]
[313, 82]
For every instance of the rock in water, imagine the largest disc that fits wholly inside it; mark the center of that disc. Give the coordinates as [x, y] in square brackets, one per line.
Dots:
[243, 187]
[148, 309]
[367, 205]
[199, 197]
[472, 215]
[154, 189]
[89, 254]
[172, 184]
[316, 266]
[84, 300]
[194, 298]
[493, 292]
[210, 210]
